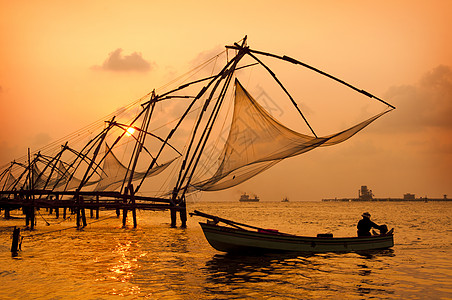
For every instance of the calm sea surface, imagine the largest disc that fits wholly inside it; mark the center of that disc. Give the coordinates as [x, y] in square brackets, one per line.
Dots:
[105, 261]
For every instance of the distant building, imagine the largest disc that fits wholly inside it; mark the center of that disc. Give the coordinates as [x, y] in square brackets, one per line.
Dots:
[365, 194]
[409, 196]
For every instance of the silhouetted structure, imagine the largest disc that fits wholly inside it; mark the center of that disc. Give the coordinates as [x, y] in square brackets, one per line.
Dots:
[364, 194]
[97, 167]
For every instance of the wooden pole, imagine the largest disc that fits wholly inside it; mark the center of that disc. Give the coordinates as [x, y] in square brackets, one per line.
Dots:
[287, 93]
[64, 213]
[294, 61]
[91, 210]
[77, 209]
[226, 221]
[82, 204]
[15, 243]
[7, 214]
[188, 109]
[124, 217]
[183, 213]
[29, 197]
[124, 210]
[196, 155]
[32, 217]
[26, 211]
[97, 207]
[57, 209]
[134, 211]
[173, 212]
[118, 212]
[32, 214]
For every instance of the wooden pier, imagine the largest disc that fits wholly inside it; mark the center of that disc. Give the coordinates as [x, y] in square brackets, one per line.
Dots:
[78, 202]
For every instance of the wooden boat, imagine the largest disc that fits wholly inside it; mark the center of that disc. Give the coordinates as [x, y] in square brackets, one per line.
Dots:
[234, 238]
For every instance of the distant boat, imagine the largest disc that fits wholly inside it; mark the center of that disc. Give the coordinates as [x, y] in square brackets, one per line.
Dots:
[285, 199]
[246, 198]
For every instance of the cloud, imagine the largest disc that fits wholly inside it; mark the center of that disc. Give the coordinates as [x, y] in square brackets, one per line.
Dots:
[425, 105]
[206, 55]
[118, 63]
[437, 85]
[418, 132]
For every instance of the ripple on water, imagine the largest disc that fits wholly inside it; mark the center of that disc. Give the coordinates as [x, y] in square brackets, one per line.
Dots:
[158, 262]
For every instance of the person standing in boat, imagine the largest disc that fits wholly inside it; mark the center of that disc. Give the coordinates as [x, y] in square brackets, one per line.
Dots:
[365, 224]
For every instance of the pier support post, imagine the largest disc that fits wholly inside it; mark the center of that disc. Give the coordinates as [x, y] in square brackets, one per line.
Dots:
[32, 217]
[134, 210]
[82, 204]
[183, 214]
[124, 210]
[173, 212]
[134, 214]
[31, 211]
[118, 212]
[78, 217]
[124, 217]
[25, 210]
[77, 210]
[57, 208]
[7, 214]
[64, 212]
[97, 207]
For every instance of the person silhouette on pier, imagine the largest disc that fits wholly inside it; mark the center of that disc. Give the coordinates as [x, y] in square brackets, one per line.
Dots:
[365, 224]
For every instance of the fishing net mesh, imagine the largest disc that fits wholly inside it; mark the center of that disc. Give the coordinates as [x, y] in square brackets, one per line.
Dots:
[257, 141]
[114, 173]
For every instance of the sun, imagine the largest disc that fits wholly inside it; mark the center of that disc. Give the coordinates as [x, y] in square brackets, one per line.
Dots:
[130, 131]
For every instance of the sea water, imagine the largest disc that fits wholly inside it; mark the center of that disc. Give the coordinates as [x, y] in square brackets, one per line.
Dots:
[106, 261]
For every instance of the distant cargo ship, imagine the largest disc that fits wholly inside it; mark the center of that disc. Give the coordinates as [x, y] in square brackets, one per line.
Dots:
[364, 194]
[246, 198]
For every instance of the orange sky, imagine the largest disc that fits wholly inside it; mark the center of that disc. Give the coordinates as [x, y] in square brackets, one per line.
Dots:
[58, 73]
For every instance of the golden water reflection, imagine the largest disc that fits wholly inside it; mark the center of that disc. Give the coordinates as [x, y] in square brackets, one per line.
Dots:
[159, 262]
[153, 264]
[315, 276]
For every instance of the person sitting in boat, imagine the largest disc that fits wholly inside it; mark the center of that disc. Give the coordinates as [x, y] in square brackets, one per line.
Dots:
[365, 224]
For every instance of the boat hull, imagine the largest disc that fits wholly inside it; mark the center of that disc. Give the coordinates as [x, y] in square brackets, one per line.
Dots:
[228, 239]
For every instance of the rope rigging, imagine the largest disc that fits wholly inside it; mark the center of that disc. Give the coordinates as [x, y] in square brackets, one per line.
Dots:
[211, 96]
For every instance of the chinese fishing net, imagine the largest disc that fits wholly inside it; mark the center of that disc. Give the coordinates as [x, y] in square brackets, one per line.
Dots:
[257, 141]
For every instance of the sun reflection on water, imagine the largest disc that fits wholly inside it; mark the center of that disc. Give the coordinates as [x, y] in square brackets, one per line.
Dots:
[157, 262]
[127, 254]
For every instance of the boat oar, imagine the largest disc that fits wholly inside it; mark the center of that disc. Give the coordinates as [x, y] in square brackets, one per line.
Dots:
[229, 222]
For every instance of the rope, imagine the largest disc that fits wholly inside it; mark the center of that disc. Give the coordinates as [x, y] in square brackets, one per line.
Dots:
[72, 227]
[82, 133]
[47, 223]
